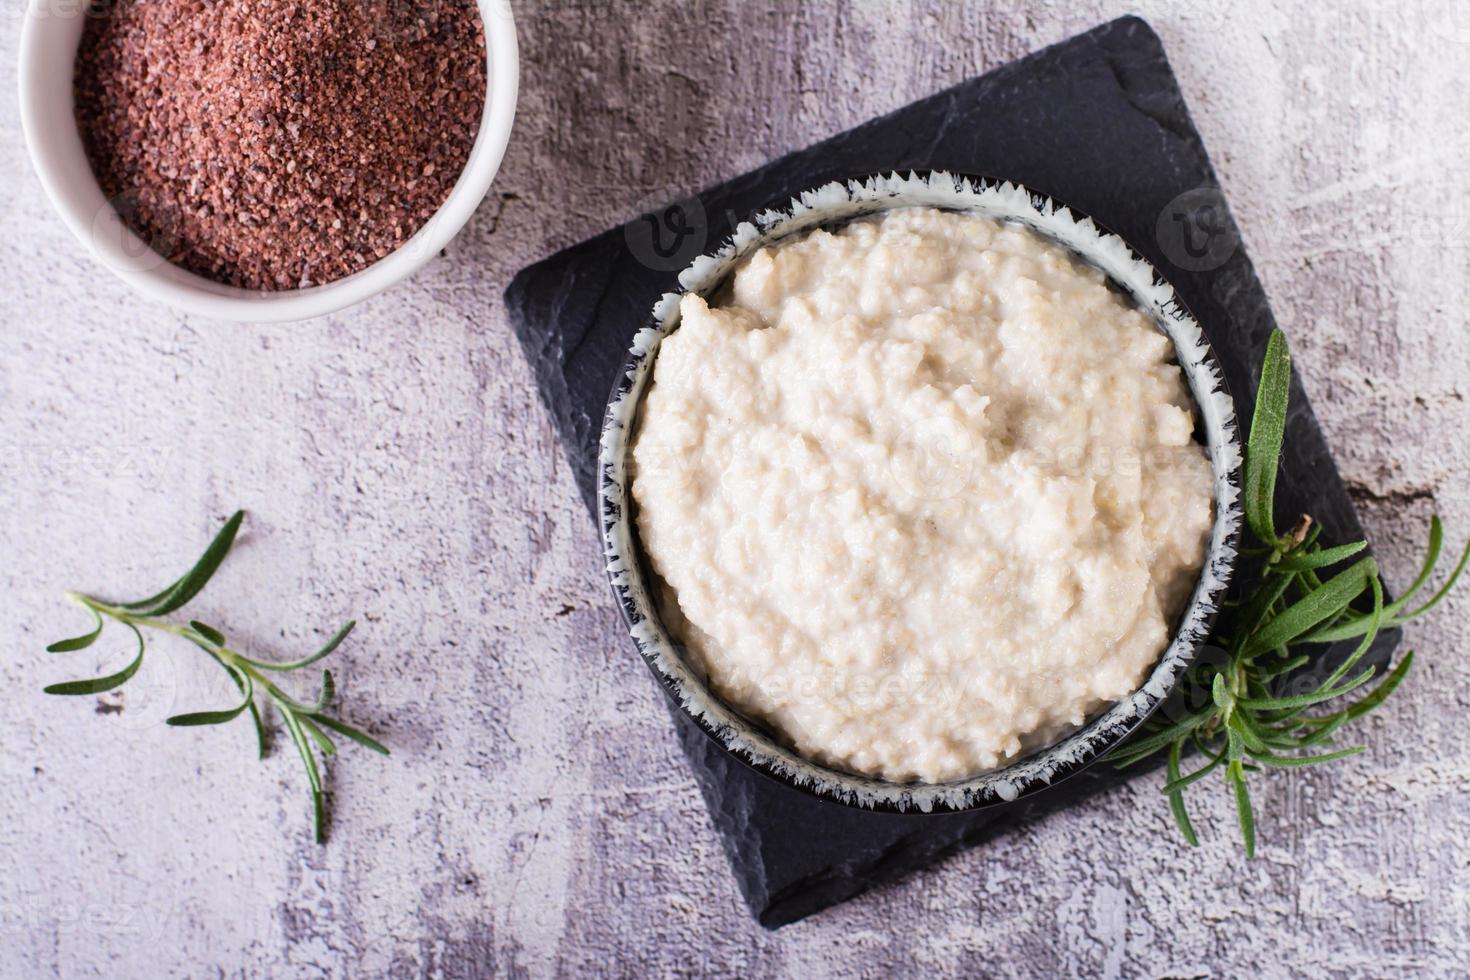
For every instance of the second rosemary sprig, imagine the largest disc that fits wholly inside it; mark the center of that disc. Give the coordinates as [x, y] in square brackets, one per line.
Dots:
[307, 723]
[1260, 707]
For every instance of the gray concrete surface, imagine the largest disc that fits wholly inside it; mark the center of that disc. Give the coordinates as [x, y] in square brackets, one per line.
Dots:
[536, 817]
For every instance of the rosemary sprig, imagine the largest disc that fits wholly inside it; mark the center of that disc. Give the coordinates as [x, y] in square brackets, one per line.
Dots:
[1259, 705]
[304, 722]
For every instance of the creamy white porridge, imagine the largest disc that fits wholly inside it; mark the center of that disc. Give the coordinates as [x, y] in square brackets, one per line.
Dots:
[923, 491]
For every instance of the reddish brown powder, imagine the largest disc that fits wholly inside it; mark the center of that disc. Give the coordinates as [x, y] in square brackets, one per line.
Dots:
[273, 144]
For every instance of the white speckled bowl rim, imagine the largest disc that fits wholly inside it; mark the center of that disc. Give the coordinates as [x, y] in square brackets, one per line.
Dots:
[835, 203]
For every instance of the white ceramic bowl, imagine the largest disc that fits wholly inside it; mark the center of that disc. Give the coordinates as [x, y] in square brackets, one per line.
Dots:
[48, 49]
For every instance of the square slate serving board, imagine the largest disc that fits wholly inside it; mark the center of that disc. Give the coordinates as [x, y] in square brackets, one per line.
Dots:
[1098, 122]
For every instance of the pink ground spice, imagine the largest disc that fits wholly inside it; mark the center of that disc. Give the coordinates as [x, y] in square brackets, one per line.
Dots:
[274, 144]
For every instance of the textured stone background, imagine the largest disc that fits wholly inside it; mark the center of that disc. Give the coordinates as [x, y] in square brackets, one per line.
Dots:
[536, 815]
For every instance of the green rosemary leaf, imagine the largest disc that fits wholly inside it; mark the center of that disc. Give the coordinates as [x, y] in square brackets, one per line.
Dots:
[1122, 759]
[331, 645]
[1296, 762]
[1273, 587]
[1312, 536]
[1370, 632]
[320, 737]
[324, 698]
[244, 682]
[1348, 628]
[293, 728]
[1248, 737]
[220, 717]
[1176, 799]
[208, 717]
[1219, 692]
[1431, 559]
[1263, 447]
[1393, 614]
[1380, 693]
[1234, 747]
[1243, 808]
[262, 745]
[152, 600]
[1270, 733]
[1204, 744]
[208, 632]
[1284, 667]
[100, 684]
[356, 735]
[189, 584]
[1320, 734]
[313, 776]
[1370, 700]
[1307, 700]
[1182, 781]
[1149, 744]
[1336, 594]
[1444, 590]
[79, 642]
[319, 815]
[1309, 580]
[1300, 561]
[1274, 733]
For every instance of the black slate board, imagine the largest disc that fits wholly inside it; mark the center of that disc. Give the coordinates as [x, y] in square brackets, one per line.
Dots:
[1096, 121]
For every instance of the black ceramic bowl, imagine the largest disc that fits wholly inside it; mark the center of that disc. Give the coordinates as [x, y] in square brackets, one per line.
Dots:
[633, 582]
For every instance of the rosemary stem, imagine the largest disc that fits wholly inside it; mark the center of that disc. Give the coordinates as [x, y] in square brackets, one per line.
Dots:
[236, 660]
